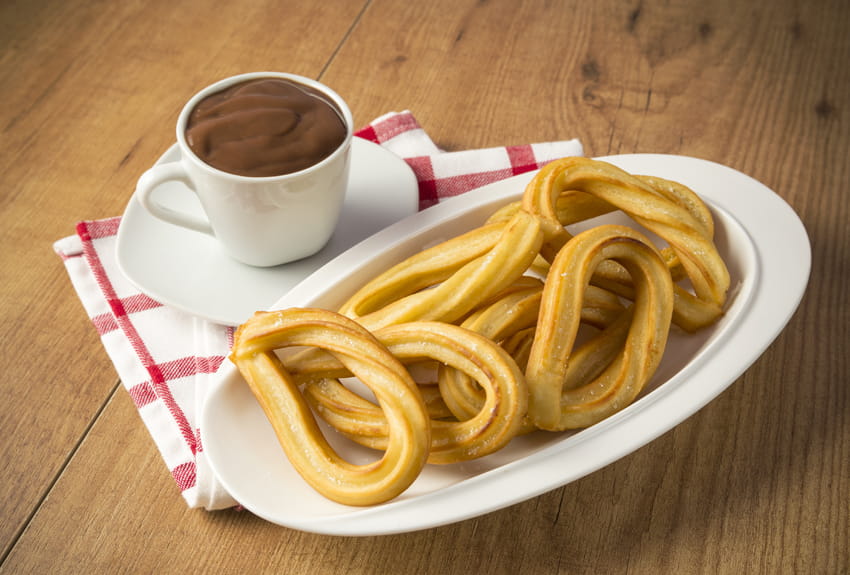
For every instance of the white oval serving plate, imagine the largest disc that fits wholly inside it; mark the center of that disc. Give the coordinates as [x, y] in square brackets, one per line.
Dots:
[768, 254]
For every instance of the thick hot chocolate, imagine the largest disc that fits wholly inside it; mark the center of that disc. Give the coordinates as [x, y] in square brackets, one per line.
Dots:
[264, 127]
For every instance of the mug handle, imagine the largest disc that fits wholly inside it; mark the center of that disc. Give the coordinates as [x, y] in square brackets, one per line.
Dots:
[158, 175]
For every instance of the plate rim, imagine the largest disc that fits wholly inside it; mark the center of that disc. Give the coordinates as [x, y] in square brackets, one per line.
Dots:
[368, 521]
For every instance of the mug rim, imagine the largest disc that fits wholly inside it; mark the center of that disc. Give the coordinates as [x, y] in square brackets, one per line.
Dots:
[224, 83]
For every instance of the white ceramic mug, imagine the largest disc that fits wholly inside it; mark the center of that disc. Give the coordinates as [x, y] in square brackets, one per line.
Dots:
[260, 221]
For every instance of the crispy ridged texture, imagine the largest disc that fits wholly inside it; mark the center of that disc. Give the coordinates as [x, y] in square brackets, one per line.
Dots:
[503, 259]
[668, 209]
[293, 422]
[491, 427]
[478, 279]
[553, 407]
[422, 270]
[516, 313]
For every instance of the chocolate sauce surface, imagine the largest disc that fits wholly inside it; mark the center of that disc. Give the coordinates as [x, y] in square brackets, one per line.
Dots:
[264, 127]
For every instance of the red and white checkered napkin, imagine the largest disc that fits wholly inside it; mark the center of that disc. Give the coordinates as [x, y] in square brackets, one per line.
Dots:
[166, 358]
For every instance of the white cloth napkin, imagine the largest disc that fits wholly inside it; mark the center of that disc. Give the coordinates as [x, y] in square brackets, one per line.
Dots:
[166, 358]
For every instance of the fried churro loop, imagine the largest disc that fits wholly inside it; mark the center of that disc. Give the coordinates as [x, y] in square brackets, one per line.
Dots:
[670, 210]
[509, 355]
[476, 280]
[516, 311]
[553, 405]
[306, 447]
[498, 419]
[444, 283]
[423, 270]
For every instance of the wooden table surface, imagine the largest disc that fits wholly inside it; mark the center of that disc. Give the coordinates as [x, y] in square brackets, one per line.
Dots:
[756, 482]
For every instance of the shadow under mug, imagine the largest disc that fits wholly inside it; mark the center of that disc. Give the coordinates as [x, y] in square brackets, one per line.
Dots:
[260, 221]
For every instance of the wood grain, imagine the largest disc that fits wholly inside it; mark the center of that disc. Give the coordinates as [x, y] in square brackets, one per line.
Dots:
[756, 482]
[91, 92]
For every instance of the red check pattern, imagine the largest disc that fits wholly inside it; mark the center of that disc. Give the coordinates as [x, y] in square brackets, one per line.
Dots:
[166, 358]
[442, 174]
